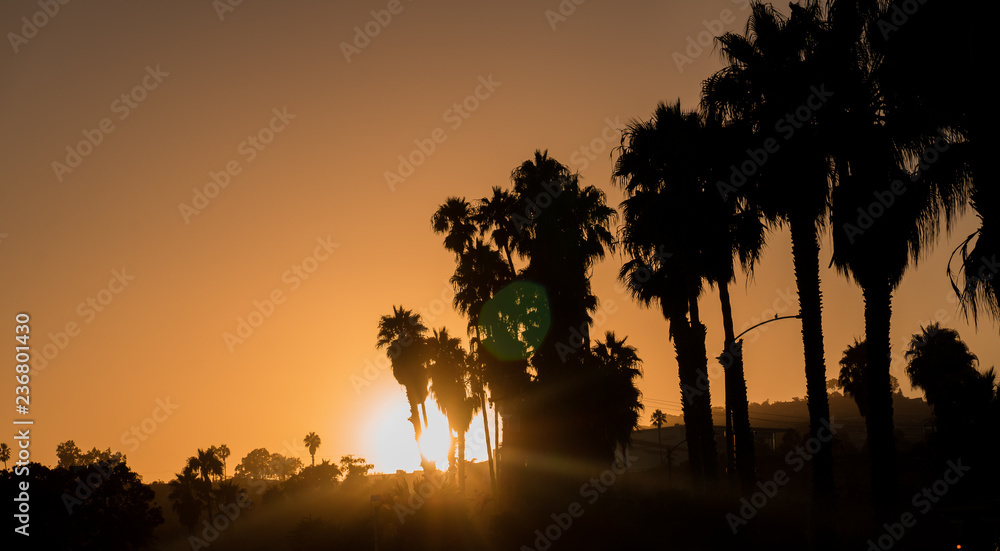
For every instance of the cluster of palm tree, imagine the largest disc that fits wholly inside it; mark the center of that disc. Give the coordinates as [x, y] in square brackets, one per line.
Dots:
[835, 116]
[523, 262]
[194, 488]
[829, 116]
[433, 365]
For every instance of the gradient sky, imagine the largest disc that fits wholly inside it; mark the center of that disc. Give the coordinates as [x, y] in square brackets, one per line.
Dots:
[321, 178]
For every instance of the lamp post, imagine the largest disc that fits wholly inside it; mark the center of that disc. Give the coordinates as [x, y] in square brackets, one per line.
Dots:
[730, 448]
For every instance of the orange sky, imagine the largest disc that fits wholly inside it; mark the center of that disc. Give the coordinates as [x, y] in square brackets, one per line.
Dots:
[317, 174]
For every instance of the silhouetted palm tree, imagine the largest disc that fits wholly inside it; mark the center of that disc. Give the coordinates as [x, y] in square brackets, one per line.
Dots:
[205, 465]
[617, 404]
[565, 230]
[402, 335]
[447, 368]
[941, 364]
[495, 215]
[479, 275]
[184, 499]
[4, 454]
[661, 168]
[884, 214]
[312, 441]
[455, 219]
[770, 74]
[954, 92]
[222, 452]
[658, 420]
[852, 378]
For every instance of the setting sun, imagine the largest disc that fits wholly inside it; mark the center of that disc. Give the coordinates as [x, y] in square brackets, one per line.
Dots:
[390, 437]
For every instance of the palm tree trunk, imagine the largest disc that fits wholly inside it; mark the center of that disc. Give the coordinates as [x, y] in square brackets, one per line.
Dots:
[415, 420]
[805, 258]
[423, 407]
[709, 453]
[496, 436]
[486, 421]
[689, 389]
[489, 452]
[692, 364]
[461, 461]
[737, 404]
[881, 441]
[452, 455]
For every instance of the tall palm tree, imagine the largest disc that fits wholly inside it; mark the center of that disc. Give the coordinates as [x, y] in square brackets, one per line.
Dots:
[885, 214]
[658, 420]
[312, 441]
[402, 335]
[954, 91]
[562, 236]
[447, 368]
[479, 275]
[666, 201]
[564, 229]
[4, 454]
[771, 72]
[733, 229]
[222, 452]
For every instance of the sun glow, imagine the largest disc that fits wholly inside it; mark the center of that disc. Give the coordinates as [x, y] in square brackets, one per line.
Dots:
[391, 437]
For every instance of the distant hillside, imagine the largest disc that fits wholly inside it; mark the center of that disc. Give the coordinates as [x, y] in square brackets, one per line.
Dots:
[910, 415]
